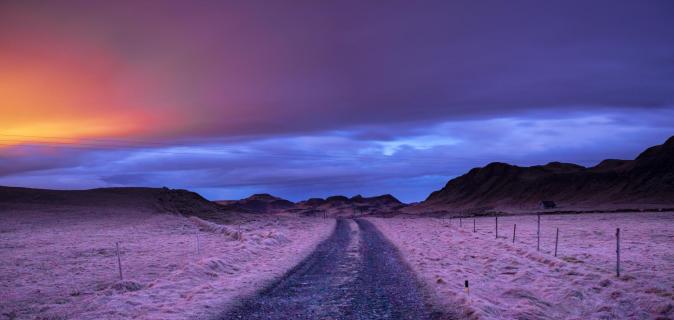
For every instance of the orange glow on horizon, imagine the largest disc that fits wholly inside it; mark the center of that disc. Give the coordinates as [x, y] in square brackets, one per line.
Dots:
[37, 108]
[71, 97]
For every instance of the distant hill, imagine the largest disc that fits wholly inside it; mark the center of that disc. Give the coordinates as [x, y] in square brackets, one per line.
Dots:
[258, 203]
[335, 206]
[149, 200]
[341, 206]
[176, 201]
[647, 181]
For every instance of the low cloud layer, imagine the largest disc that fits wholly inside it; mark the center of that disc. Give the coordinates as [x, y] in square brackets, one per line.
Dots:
[409, 166]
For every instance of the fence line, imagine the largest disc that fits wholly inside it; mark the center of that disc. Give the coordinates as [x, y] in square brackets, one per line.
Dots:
[554, 251]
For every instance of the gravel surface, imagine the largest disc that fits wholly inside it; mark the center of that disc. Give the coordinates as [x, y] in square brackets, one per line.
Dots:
[354, 274]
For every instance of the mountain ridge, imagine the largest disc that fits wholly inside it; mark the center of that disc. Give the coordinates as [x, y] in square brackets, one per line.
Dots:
[332, 206]
[647, 180]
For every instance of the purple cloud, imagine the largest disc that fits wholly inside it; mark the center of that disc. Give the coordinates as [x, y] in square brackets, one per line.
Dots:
[408, 166]
[257, 68]
[314, 98]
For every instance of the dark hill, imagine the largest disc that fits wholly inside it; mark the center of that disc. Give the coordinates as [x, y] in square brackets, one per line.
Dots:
[646, 181]
[258, 203]
[157, 200]
[341, 206]
[332, 206]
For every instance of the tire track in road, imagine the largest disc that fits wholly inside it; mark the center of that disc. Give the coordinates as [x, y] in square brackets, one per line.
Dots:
[354, 274]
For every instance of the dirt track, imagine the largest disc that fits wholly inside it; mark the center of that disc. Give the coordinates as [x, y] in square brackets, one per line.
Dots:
[354, 274]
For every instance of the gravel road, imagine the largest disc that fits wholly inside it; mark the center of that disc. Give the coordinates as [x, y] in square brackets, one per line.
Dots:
[354, 274]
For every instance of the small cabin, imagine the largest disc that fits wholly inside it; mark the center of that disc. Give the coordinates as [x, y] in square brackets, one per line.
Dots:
[547, 204]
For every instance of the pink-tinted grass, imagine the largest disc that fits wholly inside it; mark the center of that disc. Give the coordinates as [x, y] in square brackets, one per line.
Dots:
[510, 281]
[62, 264]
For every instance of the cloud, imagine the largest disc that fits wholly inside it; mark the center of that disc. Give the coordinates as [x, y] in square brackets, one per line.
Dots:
[408, 166]
[19, 159]
[251, 68]
[315, 98]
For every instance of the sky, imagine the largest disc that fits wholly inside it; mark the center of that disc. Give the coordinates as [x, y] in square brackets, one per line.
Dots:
[315, 98]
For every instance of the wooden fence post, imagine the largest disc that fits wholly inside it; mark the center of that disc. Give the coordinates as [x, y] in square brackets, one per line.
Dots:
[617, 239]
[538, 234]
[119, 262]
[496, 227]
[514, 228]
[556, 240]
[473, 225]
[198, 244]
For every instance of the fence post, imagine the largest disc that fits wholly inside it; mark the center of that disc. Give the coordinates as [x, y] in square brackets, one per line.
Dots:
[198, 244]
[119, 262]
[496, 227]
[556, 240]
[538, 234]
[514, 228]
[473, 225]
[617, 239]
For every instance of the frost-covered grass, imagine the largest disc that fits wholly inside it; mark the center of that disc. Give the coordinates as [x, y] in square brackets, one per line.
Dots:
[60, 263]
[513, 281]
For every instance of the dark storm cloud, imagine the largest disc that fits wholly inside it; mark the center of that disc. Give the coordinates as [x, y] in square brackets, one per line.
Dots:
[373, 64]
[260, 67]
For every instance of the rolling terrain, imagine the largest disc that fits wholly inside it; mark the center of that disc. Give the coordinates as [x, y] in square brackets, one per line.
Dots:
[645, 182]
[152, 200]
[334, 206]
[261, 257]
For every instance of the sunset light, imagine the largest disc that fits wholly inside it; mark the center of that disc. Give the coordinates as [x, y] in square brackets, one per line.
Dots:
[350, 159]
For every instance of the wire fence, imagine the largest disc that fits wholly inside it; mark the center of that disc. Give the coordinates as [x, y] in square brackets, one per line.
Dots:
[621, 243]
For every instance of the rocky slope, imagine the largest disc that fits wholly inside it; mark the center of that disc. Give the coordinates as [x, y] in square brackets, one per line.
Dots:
[647, 181]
